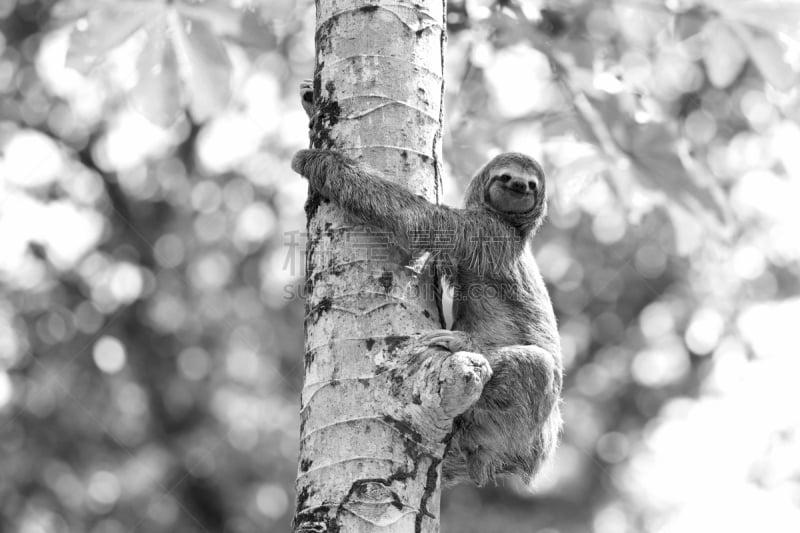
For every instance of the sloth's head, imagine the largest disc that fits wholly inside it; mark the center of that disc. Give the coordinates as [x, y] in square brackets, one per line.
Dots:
[513, 186]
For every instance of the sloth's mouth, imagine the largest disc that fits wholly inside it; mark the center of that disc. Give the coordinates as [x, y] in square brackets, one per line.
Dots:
[515, 192]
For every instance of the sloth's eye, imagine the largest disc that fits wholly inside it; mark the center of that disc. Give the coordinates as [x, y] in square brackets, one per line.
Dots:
[504, 178]
[532, 185]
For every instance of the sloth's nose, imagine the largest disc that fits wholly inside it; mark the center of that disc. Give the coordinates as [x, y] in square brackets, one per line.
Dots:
[518, 185]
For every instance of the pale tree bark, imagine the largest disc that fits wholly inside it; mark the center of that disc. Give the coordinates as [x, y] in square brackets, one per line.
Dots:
[377, 409]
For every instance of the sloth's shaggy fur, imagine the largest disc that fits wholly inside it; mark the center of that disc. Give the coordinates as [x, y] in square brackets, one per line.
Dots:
[500, 300]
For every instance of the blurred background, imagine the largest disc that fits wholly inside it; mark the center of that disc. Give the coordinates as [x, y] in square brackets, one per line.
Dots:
[151, 319]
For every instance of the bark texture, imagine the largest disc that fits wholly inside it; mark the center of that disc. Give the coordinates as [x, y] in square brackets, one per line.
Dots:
[377, 406]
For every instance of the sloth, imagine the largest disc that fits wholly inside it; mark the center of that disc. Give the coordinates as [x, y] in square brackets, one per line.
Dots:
[501, 307]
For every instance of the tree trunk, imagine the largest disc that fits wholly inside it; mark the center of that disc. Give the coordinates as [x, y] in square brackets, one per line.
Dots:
[376, 408]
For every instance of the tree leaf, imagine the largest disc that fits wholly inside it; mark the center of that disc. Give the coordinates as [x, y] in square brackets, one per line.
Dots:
[104, 28]
[220, 16]
[757, 23]
[204, 64]
[724, 55]
[689, 24]
[658, 166]
[256, 33]
[67, 10]
[767, 53]
[572, 179]
[157, 93]
[689, 234]
[774, 16]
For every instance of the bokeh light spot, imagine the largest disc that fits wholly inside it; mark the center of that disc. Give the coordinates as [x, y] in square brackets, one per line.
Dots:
[163, 509]
[228, 140]
[206, 196]
[519, 77]
[272, 500]
[104, 489]
[87, 318]
[659, 366]
[6, 389]
[704, 331]
[758, 111]
[211, 227]
[109, 354]
[613, 447]
[211, 271]
[656, 320]
[243, 365]
[169, 250]
[255, 223]
[194, 363]
[609, 226]
[593, 380]
[126, 282]
[700, 126]
[30, 159]
[749, 262]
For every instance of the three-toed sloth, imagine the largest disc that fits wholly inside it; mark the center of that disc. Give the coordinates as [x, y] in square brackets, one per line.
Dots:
[501, 307]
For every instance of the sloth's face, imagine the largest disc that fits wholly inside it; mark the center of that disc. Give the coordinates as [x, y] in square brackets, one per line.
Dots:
[512, 189]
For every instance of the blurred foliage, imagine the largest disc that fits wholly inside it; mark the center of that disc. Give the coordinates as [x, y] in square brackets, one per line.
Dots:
[150, 258]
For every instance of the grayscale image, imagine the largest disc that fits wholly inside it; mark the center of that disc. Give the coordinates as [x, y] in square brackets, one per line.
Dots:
[399, 266]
